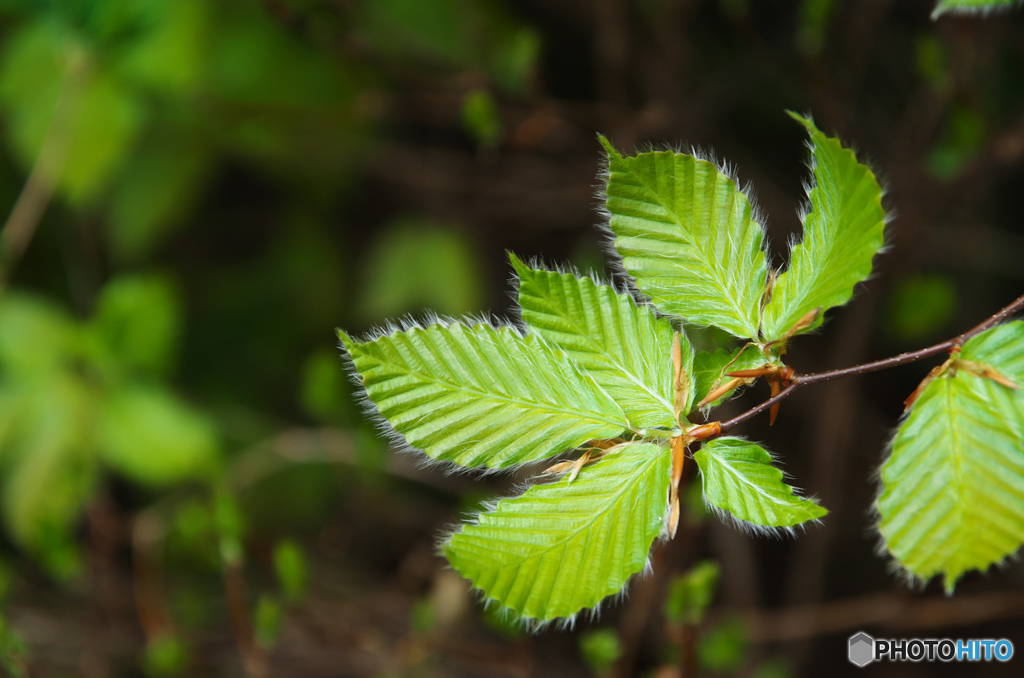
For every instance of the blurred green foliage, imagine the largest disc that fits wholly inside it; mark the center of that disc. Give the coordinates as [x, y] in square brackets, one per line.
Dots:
[723, 649]
[600, 649]
[691, 593]
[919, 306]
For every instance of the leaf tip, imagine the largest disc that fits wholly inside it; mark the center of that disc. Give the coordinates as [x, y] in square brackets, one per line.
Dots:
[345, 339]
[609, 148]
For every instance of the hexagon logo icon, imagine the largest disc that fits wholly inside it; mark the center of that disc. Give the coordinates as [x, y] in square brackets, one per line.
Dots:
[862, 649]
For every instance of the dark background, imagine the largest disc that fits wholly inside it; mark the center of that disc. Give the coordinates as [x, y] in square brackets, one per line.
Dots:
[255, 174]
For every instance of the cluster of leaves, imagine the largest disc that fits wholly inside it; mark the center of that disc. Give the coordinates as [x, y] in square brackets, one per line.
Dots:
[611, 375]
[604, 372]
[77, 397]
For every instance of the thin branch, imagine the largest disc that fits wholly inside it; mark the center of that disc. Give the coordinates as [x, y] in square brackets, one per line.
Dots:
[38, 189]
[912, 356]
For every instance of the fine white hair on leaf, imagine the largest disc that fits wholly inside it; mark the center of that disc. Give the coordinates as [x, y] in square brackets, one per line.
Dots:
[396, 440]
[507, 615]
[983, 11]
[607, 236]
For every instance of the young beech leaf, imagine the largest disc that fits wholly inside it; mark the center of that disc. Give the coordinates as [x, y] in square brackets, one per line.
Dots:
[970, 6]
[738, 477]
[626, 348]
[482, 396]
[560, 548]
[953, 487]
[842, 233]
[709, 369]
[688, 235]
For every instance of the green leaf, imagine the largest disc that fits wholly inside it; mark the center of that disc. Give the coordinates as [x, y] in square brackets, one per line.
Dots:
[953, 487]
[842, 233]
[137, 323]
[266, 621]
[481, 117]
[724, 649]
[738, 477]
[291, 569]
[970, 6]
[36, 337]
[709, 369]
[49, 469]
[152, 437]
[691, 593]
[600, 649]
[416, 265]
[626, 348]
[482, 396]
[689, 236]
[563, 547]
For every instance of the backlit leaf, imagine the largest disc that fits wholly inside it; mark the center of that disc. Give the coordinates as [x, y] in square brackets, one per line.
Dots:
[970, 6]
[689, 236]
[563, 547]
[953, 487]
[738, 477]
[626, 348]
[482, 396]
[842, 233]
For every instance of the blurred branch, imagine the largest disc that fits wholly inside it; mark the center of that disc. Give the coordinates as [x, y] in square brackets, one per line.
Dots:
[323, 446]
[147, 579]
[887, 611]
[38, 189]
[253, 657]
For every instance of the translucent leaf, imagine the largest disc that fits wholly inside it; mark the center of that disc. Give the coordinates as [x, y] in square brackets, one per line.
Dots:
[842, 233]
[563, 547]
[482, 396]
[970, 6]
[953, 487]
[151, 437]
[689, 236]
[709, 369]
[291, 569]
[36, 337]
[626, 349]
[738, 477]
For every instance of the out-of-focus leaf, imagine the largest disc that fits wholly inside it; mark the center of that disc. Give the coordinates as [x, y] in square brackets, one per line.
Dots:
[417, 265]
[964, 136]
[921, 305]
[137, 323]
[469, 34]
[774, 668]
[724, 648]
[932, 61]
[562, 547]
[166, 655]
[254, 61]
[600, 650]
[691, 593]
[953, 487]
[326, 390]
[481, 118]
[156, 190]
[267, 620]
[291, 569]
[170, 54]
[813, 24]
[150, 436]
[101, 115]
[49, 470]
[35, 336]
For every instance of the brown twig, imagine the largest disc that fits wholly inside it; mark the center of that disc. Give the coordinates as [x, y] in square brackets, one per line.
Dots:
[254, 659]
[912, 356]
[38, 189]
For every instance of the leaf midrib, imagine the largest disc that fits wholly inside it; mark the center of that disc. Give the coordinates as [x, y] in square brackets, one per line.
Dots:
[469, 390]
[726, 292]
[601, 351]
